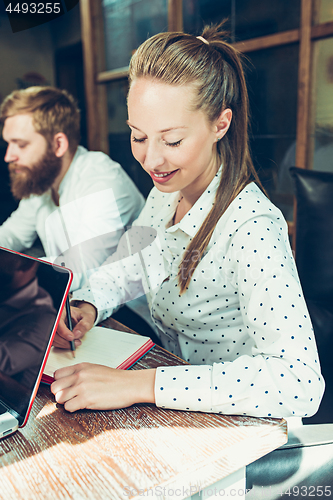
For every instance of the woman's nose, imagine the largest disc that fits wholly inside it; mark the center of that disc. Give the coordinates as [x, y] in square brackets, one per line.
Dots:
[154, 157]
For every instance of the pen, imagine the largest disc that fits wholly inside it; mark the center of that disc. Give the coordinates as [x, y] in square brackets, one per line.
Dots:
[69, 320]
[70, 326]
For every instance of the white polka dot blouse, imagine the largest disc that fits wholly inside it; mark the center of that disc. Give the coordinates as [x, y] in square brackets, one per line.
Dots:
[242, 324]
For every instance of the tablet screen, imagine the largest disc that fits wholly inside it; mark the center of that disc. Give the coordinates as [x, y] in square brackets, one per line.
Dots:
[32, 294]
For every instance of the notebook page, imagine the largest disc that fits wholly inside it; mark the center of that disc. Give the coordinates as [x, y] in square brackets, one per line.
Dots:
[102, 346]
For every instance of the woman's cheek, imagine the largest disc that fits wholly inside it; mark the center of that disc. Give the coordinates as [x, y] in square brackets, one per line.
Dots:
[137, 153]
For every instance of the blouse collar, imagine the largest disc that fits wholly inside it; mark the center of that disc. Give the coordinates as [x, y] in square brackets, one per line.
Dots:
[192, 221]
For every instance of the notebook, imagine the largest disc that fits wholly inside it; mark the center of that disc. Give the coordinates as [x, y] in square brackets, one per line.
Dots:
[32, 297]
[102, 346]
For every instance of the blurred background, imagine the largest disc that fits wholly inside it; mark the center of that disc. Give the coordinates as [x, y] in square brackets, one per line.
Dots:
[288, 49]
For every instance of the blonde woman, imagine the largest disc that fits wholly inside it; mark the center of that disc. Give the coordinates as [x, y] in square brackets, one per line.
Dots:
[228, 299]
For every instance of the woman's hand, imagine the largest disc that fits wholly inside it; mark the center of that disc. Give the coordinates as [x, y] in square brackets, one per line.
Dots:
[99, 387]
[83, 319]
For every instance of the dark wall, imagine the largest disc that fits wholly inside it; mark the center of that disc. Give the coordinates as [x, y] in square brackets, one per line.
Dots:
[7, 202]
[70, 76]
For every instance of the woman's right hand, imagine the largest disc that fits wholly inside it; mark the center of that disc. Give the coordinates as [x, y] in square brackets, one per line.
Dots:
[83, 319]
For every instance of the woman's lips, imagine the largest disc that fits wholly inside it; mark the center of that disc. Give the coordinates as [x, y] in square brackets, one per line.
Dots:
[162, 177]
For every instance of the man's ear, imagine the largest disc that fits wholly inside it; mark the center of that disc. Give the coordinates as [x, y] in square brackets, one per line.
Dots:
[223, 123]
[60, 144]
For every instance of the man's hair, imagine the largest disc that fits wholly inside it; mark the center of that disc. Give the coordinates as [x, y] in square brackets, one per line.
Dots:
[53, 111]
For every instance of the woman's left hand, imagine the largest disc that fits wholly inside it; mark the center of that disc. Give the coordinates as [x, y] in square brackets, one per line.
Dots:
[99, 387]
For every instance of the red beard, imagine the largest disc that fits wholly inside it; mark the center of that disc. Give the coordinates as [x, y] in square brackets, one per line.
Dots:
[35, 180]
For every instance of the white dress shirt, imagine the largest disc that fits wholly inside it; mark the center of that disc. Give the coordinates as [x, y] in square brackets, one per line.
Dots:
[242, 324]
[97, 200]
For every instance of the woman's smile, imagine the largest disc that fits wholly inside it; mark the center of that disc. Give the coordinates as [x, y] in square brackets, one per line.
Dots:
[162, 177]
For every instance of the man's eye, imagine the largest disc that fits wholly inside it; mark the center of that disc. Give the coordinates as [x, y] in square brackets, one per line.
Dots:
[134, 139]
[173, 144]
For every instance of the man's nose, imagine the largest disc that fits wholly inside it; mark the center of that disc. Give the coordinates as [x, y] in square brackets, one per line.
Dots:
[11, 155]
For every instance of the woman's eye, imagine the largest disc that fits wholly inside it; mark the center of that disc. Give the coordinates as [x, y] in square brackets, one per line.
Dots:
[173, 144]
[134, 139]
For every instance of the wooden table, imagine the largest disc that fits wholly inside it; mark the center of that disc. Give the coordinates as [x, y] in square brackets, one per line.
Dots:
[137, 452]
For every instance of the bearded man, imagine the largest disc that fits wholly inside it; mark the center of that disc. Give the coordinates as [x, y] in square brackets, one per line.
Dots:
[77, 202]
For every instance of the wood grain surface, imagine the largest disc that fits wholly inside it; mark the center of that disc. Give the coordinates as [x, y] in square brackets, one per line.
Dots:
[121, 454]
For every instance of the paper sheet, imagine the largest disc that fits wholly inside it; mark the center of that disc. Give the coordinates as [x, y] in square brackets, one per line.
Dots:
[100, 345]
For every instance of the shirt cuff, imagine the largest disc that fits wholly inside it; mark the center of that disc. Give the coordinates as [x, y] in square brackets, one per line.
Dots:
[184, 387]
[104, 307]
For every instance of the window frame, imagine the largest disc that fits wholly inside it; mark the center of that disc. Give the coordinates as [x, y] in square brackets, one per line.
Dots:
[96, 77]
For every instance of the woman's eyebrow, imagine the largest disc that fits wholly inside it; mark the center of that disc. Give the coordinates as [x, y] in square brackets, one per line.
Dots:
[132, 126]
[160, 131]
[171, 128]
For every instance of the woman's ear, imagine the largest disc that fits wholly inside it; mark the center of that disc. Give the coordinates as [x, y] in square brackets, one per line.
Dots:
[60, 144]
[223, 123]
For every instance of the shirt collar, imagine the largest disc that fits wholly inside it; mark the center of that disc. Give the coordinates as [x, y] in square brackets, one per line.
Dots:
[79, 151]
[192, 221]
